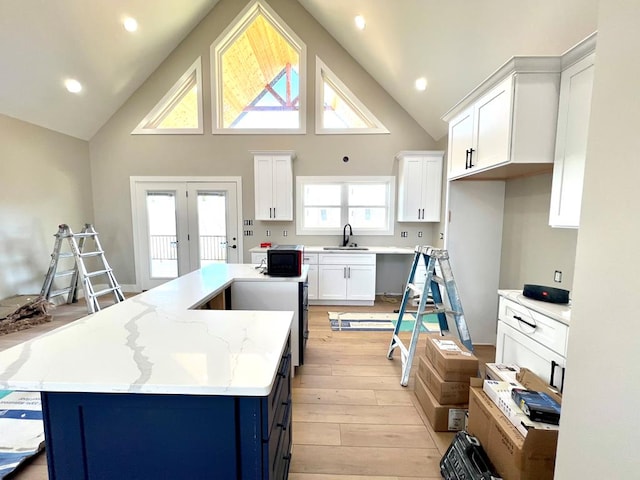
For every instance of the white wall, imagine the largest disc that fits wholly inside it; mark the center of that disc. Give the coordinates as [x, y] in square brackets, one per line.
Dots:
[116, 154]
[600, 426]
[44, 181]
[531, 250]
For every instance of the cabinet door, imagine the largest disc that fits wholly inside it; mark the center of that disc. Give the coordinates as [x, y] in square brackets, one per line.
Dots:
[282, 188]
[493, 126]
[273, 187]
[410, 202]
[460, 141]
[571, 143]
[432, 189]
[263, 187]
[332, 282]
[258, 257]
[361, 282]
[513, 347]
[312, 281]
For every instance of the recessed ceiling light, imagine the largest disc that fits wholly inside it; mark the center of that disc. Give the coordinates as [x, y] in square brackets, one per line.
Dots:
[360, 22]
[130, 24]
[73, 85]
[421, 84]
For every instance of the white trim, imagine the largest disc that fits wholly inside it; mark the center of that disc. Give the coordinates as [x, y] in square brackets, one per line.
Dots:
[133, 180]
[225, 39]
[161, 107]
[324, 73]
[305, 180]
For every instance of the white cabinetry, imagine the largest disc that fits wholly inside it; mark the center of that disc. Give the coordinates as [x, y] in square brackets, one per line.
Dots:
[571, 142]
[420, 186]
[508, 121]
[258, 258]
[311, 259]
[346, 279]
[273, 182]
[530, 339]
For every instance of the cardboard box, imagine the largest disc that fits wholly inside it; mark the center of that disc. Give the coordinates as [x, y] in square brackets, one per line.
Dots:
[531, 381]
[451, 393]
[501, 372]
[443, 418]
[451, 359]
[515, 457]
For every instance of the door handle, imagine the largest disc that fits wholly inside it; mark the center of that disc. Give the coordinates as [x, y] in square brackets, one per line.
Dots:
[471, 150]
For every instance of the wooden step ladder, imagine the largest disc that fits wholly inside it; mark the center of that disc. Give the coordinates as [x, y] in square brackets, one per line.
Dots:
[439, 286]
[78, 244]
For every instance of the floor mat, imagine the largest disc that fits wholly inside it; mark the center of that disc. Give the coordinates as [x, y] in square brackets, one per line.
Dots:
[372, 321]
[21, 428]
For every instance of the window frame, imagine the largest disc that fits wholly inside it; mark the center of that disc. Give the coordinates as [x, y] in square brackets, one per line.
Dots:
[168, 101]
[224, 40]
[344, 181]
[323, 72]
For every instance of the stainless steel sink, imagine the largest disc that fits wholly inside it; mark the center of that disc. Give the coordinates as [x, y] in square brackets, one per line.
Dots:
[345, 248]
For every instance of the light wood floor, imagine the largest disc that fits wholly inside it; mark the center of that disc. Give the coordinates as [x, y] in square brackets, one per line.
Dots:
[352, 420]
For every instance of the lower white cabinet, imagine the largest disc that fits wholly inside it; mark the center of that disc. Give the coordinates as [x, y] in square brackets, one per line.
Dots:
[532, 340]
[311, 259]
[346, 279]
[258, 258]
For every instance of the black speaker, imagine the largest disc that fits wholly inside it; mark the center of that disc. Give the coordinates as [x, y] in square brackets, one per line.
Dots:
[546, 294]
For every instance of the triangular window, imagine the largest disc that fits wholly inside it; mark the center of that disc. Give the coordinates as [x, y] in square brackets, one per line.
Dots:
[338, 110]
[180, 110]
[258, 75]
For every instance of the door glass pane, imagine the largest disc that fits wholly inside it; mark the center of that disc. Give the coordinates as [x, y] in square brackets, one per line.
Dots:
[212, 227]
[163, 245]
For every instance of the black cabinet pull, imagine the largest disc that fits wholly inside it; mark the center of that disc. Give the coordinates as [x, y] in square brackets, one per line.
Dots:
[466, 159]
[520, 319]
[284, 423]
[553, 371]
[471, 150]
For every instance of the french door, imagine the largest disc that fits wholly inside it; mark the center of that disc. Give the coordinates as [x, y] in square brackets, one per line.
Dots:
[183, 225]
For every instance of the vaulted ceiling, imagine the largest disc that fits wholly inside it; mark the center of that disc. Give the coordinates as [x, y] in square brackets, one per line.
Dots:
[454, 44]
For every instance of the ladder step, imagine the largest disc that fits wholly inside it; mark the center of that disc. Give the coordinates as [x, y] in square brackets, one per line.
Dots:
[97, 273]
[84, 235]
[414, 288]
[57, 293]
[105, 291]
[65, 273]
[437, 279]
[64, 255]
[91, 254]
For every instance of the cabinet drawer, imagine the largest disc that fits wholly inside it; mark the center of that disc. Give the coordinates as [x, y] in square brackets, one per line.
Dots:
[544, 330]
[258, 257]
[310, 259]
[279, 443]
[279, 397]
[348, 259]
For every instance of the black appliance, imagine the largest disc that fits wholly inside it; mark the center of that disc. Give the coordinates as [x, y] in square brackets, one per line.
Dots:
[285, 260]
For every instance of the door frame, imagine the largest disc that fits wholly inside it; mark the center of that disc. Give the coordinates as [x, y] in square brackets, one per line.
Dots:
[134, 180]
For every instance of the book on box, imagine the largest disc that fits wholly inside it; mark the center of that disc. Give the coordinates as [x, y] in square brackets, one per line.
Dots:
[500, 394]
[538, 406]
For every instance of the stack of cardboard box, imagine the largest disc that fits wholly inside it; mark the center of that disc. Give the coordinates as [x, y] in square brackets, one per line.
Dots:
[442, 382]
[516, 456]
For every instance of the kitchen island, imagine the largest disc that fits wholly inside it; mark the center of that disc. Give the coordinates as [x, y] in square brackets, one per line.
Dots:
[157, 387]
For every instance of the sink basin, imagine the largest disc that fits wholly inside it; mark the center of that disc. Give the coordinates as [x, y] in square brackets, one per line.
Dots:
[345, 248]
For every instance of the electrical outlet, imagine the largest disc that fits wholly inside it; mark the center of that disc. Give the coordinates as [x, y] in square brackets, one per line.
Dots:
[248, 233]
[557, 276]
[285, 233]
[419, 234]
[404, 234]
[268, 233]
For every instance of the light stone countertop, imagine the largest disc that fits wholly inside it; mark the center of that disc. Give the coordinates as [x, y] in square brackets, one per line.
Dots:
[559, 312]
[378, 250]
[154, 343]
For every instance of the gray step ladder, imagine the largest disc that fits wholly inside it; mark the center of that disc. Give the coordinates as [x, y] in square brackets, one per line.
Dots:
[439, 286]
[78, 244]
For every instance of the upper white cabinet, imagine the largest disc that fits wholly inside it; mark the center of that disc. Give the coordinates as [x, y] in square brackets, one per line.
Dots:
[420, 186]
[571, 142]
[506, 126]
[273, 181]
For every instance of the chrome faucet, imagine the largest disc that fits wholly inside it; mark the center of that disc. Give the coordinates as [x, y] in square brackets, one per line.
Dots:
[345, 237]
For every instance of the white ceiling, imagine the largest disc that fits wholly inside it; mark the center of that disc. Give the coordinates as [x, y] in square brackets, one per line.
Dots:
[455, 44]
